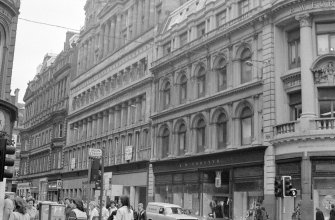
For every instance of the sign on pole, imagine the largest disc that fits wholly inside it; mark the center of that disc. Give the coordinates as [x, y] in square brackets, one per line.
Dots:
[94, 153]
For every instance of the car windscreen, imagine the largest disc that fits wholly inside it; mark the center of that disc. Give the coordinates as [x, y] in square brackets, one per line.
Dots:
[173, 210]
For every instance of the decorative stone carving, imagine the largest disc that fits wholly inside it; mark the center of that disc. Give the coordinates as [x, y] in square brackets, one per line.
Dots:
[324, 73]
[305, 20]
[292, 81]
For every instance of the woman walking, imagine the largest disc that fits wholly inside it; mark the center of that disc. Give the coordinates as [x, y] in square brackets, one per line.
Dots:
[77, 211]
[124, 212]
[31, 210]
[20, 210]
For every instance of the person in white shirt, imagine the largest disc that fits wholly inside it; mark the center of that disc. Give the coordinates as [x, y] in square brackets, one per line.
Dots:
[93, 210]
[105, 212]
[124, 212]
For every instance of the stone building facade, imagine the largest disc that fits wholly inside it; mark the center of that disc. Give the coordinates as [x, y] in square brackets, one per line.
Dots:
[244, 93]
[110, 97]
[44, 134]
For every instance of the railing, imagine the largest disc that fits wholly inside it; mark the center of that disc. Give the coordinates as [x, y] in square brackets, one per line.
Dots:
[325, 123]
[285, 128]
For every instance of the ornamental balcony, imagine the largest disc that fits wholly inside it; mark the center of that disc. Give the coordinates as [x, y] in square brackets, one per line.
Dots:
[312, 129]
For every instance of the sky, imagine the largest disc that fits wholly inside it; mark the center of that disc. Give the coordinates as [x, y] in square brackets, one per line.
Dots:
[34, 41]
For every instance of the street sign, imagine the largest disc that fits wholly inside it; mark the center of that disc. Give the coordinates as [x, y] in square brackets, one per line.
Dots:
[95, 152]
[59, 184]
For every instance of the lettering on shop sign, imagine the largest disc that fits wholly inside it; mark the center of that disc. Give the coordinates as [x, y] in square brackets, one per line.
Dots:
[313, 5]
[200, 163]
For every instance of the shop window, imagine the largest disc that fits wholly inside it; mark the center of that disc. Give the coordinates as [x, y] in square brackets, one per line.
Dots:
[325, 38]
[327, 102]
[246, 126]
[222, 131]
[201, 29]
[221, 18]
[183, 39]
[246, 68]
[165, 143]
[295, 105]
[243, 7]
[201, 82]
[183, 89]
[293, 41]
[182, 139]
[166, 95]
[221, 71]
[201, 135]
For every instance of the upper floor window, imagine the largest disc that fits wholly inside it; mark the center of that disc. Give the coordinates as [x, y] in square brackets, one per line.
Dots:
[246, 126]
[293, 40]
[222, 131]
[183, 39]
[166, 95]
[221, 18]
[165, 142]
[327, 102]
[201, 82]
[60, 130]
[183, 89]
[246, 69]
[166, 48]
[201, 135]
[181, 139]
[295, 105]
[243, 7]
[201, 29]
[221, 71]
[325, 38]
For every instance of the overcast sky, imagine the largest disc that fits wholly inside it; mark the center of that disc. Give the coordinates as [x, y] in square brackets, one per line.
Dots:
[33, 41]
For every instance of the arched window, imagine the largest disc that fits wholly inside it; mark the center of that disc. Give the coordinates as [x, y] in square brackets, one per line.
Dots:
[201, 82]
[246, 126]
[183, 89]
[201, 135]
[221, 71]
[165, 142]
[166, 95]
[182, 139]
[246, 69]
[221, 131]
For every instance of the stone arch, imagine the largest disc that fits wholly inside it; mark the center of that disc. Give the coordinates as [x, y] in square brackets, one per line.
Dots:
[177, 124]
[218, 58]
[240, 106]
[216, 113]
[196, 118]
[241, 49]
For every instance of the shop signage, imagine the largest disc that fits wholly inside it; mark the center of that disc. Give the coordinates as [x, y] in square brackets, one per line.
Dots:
[23, 185]
[52, 185]
[94, 152]
[312, 5]
[59, 184]
[128, 152]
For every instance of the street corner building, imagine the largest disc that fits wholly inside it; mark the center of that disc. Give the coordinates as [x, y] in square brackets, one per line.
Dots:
[200, 103]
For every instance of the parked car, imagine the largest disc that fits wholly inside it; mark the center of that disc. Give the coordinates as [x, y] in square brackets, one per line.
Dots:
[166, 211]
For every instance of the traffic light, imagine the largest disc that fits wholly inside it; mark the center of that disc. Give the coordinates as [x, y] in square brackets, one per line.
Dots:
[5, 149]
[289, 191]
[278, 187]
[96, 173]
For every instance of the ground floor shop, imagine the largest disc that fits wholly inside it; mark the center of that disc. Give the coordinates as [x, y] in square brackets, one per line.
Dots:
[229, 184]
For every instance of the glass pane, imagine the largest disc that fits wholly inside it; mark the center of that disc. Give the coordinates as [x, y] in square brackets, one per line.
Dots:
[332, 43]
[246, 130]
[323, 44]
[325, 109]
[246, 72]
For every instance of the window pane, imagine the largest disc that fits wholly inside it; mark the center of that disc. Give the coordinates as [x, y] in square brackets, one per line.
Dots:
[325, 109]
[246, 130]
[328, 27]
[323, 44]
[332, 43]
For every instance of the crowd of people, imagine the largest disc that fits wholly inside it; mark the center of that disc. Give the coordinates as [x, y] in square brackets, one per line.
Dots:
[21, 208]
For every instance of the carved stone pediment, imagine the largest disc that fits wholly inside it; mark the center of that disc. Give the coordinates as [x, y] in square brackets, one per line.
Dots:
[324, 73]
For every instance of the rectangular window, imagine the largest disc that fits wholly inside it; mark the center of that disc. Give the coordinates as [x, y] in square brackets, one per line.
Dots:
[243, 7]
[166, 48]
[60, 130]
[183, 39]
[295, 106]
[201, 29]
[325, 38]
[246, 124]
[221, 18]
[327, 102]
[293, 40]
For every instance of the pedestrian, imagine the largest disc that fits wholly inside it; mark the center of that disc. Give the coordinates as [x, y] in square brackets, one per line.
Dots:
[68, 208]
[111, 207]
[77, 212]
[20, 210]
[260, 213]
[332, 212]
[124, 212]
[142, 215]
[94, 213]
[105, 212]
[31, 210]
[319, 214]
[8, 207]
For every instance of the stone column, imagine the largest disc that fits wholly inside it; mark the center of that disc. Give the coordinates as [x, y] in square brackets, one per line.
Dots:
[117, 32]
[105, 122]
[130, 19]
[124, 114]
[112, 35]
[85, 128]
[307, 210]
[99, 124]
[143, 115]
[111, 121]
[135, 10]
[70, 137]
[139, 18]
[106, 38]
[130, 112]
[94, 126]
[117, 116]
[89, 127]
[152, 13]
[80, 130]
[146, 14]
[101, 41]
[138, 115]
[306, 54]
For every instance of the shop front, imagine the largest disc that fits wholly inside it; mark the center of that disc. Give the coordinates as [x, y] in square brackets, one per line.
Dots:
[23, 189]
[52, 191]
[228, 184]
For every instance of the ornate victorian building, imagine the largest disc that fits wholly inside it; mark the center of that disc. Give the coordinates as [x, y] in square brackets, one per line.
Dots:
[244, 92]
[111, 94]
[44, 132]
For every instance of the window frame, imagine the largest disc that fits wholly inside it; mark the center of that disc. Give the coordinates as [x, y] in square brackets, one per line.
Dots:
[222, 129]
[165, 137]
[201, 133]
[182, 88]
[246, 70]
[329, 33]
[201, 82]
[182, 130]
[166, 94]
[243, 118]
